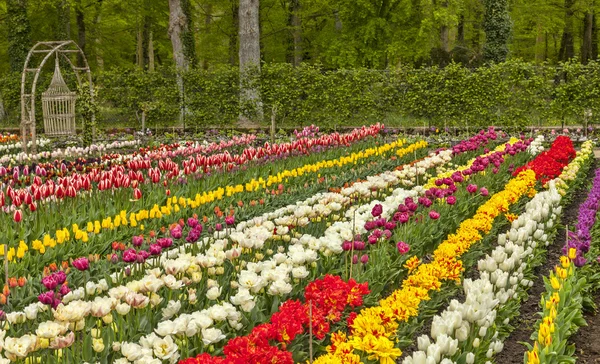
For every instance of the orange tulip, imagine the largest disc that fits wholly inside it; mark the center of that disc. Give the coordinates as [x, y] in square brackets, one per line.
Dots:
[22, 281]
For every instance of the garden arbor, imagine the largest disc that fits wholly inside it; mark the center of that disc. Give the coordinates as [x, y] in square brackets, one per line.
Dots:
[58, 101]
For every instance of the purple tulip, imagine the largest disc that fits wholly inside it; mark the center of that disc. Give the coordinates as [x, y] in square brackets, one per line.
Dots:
[377, 210]
[81, 264]
[364, 259]
[402, 247]
[137, 241]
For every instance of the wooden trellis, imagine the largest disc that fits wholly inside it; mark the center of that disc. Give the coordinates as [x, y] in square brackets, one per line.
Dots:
[58, 101]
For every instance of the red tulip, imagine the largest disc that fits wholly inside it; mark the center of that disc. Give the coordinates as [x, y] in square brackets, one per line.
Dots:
[137, 194]
[32, 207]
[18, 216]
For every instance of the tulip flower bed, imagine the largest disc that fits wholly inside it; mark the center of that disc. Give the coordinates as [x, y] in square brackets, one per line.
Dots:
[333, 248]
[208, 283]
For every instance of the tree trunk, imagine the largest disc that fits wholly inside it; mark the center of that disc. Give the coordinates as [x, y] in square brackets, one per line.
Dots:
[338, 21]
[80, 17]
[207, 20]
[586, 45]
[249, 58]
[96, 34]
[460, 37]
[150, 52]
[295, 26]
[445, 32]
[139, 49]
[594, 38]
[63, 13]
[567, 48]
[19, 38]
[187, 35]
[177, 26]
[146, 29]
[539, 44]
[233, 36]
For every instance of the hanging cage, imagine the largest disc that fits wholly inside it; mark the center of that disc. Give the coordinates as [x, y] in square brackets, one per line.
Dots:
[58, 106]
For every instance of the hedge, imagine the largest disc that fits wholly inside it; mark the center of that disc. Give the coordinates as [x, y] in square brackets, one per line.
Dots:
[513, 93]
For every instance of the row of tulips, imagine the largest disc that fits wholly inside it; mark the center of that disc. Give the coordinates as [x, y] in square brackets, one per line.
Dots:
[469, 331]
[178, 264]
[566, 288]
[115, 177]
[61, 162]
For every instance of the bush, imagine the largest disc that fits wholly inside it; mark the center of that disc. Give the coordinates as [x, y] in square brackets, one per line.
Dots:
[513, 94]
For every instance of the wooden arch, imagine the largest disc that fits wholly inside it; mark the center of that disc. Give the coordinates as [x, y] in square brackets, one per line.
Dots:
[62, 49]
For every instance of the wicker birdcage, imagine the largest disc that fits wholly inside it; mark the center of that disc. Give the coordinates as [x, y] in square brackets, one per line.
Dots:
[58, 106]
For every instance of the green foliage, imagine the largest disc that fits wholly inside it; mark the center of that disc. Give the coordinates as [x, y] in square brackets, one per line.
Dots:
[87, 108]
[189, 43]
[19, 33]
[513, 93]
[497, 26]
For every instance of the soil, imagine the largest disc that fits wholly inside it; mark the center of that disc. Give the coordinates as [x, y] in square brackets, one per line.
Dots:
[513, 349]
[587, 339]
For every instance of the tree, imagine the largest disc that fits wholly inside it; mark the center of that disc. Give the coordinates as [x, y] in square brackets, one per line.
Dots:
[589, 46]
[181, 34]
[295, 52]
[19, 34]
[497, 27]
[567, 46]
[249, 58]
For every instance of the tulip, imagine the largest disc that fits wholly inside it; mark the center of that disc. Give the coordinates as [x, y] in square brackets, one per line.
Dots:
[484, 191]
[451, 200]
[471, 188]
[81, 264]
[17, 216]
[434, 215]
[364, 259]
[355, 259]
[137, 194]
[137, 240]
[402, 247]
[377, 210]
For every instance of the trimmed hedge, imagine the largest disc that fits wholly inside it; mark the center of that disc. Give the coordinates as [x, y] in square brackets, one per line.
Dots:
[513, 93]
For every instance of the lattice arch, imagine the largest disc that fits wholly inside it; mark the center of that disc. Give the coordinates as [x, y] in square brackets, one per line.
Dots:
[58, 101]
